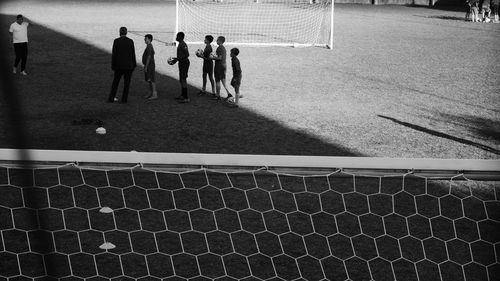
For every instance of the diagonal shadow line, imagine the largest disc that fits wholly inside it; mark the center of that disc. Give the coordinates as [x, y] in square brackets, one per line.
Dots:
[441, 135]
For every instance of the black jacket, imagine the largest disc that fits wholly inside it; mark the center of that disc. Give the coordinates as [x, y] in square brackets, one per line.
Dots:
[123, 54]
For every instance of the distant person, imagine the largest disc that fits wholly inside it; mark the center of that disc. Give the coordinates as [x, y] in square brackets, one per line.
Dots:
[468, 11]
[494, 8]
[208, 66]
[474, 6]
[220, 67]
[236, 80]
[19, 33]
[123, 64]
[148, 60]
[183, 59]
[485, 10]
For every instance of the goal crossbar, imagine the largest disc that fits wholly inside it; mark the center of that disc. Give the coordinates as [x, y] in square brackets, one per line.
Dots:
[437, 168]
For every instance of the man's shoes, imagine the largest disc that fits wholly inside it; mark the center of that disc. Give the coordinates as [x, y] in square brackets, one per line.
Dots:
[179, 97]
[183, 101]
[24, 73]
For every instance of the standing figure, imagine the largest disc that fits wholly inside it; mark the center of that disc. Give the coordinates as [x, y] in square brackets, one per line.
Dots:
[148, 60]
[208, 66]
[236, 80]
[494, 7]
[485, 10]
[183, 60]
[19, 33]
[123, 64]
[220, 67]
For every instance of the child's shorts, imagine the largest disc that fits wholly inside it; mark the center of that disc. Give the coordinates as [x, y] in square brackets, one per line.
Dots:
[150, 74]
[236, 81]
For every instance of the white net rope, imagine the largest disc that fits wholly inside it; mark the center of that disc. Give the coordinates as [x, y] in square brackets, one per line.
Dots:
[157, 224]
[257, 22]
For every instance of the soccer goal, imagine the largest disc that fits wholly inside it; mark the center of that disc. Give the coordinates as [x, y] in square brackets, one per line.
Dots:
[138, 216]
[258, 22]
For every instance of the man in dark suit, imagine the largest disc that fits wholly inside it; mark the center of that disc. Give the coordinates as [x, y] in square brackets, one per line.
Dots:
[122, 63]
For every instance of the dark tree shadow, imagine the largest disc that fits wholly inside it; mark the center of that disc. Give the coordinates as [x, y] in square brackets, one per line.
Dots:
[445, 5]
[442, 135]
[70, 80]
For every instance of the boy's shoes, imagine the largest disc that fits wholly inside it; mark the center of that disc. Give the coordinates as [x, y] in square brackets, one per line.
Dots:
[24, 73]
[201, 93]
[147, 96]
[152, 98]
[216, 98]
[231, 103]
[14, 70]
[179, 97]
[115, 100]
[183, 101]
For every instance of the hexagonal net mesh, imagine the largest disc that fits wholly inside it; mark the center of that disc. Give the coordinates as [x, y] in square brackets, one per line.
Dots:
[126, 223]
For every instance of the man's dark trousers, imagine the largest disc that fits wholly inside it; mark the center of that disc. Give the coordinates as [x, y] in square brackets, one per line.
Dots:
[127, 74]
[21, 50]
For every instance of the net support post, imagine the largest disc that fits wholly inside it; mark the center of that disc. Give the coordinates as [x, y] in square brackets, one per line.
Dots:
[176, 19]
[331, 27]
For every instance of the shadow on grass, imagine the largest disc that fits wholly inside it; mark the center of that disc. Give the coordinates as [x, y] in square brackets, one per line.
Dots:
[446, 18]
[70, 80]
[442, 135]
[445, 5]
[483, 128]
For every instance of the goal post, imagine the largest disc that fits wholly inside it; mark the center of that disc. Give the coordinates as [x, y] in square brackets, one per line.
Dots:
[258, 22]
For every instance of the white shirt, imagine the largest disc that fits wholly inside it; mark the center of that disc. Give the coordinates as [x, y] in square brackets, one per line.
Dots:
[19, 32]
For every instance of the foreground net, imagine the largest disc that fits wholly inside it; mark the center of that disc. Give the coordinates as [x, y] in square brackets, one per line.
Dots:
[164, 222]
[258, 22]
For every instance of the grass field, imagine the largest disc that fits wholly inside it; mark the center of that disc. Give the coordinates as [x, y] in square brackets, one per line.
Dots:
[399, 82]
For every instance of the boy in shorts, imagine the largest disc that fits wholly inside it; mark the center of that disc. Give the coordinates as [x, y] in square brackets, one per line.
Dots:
[208, 66]
[236, 80]
[148, 60]
[220, 67]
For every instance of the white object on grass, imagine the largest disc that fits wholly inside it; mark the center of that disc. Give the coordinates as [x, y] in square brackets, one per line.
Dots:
[107, 246]
[106, 210]
[100, 131]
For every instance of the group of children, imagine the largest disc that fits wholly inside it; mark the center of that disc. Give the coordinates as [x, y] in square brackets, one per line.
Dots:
[219, 70]
[210, 69]
[472, 13]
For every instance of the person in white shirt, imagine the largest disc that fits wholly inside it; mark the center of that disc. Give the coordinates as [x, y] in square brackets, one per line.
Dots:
[19, 32]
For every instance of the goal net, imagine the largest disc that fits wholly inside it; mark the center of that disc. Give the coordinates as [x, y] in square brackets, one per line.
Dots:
[258, 22]
[166, 216]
